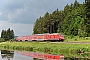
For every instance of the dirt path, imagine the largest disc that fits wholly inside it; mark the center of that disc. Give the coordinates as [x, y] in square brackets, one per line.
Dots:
[61, 42]
[68, 42]
[71, 42]
[78, 42]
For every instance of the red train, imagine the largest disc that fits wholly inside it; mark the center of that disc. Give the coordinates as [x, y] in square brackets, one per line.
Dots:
[42, 37]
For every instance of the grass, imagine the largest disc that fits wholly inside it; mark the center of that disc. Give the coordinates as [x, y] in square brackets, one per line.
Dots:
[76, 39]
[51, 48]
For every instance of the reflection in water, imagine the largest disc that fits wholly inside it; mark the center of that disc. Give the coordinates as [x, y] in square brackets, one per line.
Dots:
[7, 54]
[82, 56]
[41, 56]
[22, 55]
[12, 55]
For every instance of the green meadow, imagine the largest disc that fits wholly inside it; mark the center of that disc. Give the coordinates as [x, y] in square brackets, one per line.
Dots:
[66, 47]
[46, 47]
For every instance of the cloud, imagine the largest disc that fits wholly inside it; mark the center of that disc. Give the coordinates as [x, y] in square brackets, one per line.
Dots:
[13, 4]
[27, 11]
[19, 29]
[20, 15]
[0, 13]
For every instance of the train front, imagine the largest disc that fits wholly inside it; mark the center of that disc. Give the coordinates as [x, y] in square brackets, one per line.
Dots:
[62, 37]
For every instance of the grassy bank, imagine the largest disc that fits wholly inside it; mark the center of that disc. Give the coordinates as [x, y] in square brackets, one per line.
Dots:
[76, 39]
[51, 48]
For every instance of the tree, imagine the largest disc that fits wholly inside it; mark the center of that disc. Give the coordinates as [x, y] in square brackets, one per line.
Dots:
[73, 20]
[2, 34]
[7, 34]
[87, 5]
[87, 19]
[76, 4]
[12, 34]
[36, 27]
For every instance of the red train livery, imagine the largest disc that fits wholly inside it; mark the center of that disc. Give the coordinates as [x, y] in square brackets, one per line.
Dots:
[42, 37]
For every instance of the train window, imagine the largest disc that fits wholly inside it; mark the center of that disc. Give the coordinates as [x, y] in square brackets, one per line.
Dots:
[61, 58]
[61, 35]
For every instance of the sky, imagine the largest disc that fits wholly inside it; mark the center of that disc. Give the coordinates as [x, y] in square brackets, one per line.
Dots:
[20, 15]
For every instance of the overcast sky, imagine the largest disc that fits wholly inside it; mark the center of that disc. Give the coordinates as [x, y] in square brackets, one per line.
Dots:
[20, 15]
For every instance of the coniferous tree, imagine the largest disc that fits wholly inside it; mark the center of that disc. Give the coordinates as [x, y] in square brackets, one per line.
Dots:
[2, 34]
[87, 19]
[12, 34]
[7, 34]
[73, 20]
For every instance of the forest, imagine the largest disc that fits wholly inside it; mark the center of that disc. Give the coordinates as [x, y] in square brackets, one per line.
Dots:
[7, 35]
[73, 20]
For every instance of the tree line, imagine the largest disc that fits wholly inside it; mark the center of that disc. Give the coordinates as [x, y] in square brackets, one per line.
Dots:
[7, 34]
[74, 20]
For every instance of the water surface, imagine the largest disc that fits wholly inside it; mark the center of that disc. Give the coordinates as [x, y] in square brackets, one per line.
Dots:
[24, 55]
[13, 55]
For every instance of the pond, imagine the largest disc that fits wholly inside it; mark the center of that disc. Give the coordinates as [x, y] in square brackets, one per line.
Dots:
[12, 55]
[24, 55]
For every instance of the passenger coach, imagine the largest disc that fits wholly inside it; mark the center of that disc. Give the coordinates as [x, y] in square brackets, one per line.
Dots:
[42, 37]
